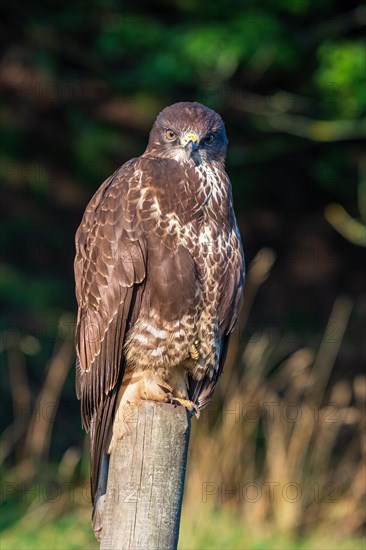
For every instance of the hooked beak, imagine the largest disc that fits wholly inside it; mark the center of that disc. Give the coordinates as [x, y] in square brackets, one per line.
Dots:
[190, 141]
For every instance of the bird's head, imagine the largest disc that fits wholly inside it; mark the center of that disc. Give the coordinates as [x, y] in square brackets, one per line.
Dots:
[188, 132]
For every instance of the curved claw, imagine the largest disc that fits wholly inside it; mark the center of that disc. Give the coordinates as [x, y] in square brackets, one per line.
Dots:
[192, 407]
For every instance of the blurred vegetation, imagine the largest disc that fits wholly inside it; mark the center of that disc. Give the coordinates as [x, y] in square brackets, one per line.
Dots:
[80, 86]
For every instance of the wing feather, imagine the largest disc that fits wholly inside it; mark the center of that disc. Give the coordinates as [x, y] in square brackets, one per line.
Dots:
[232, 285]
[110, 267]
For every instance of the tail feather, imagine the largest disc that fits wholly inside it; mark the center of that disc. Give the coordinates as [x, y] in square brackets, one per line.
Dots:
[100, 435]
[201, 391]
[99, 498]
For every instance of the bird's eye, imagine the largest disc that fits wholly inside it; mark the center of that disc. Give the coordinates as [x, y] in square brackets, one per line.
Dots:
[209, 139]
[170, 135]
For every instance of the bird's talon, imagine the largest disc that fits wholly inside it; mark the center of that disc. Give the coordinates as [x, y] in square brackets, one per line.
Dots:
[165, 387]
[192, 407]
[169, 398]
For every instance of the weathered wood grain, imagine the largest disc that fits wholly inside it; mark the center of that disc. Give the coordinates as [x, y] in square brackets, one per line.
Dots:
[145, 482]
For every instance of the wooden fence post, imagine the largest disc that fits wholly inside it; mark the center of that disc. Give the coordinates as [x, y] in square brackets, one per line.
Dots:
[145, 481]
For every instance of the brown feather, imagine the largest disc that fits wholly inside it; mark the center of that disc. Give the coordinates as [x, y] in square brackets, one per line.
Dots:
[105, 288]
[159, 266]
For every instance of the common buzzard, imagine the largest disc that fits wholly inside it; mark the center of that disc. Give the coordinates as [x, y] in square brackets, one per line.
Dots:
[159, 274]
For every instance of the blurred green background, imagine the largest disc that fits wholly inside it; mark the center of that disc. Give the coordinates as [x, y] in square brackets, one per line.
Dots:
[277, 460]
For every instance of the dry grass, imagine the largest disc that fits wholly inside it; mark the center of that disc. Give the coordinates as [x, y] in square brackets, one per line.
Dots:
[279, 450]
[283, 451]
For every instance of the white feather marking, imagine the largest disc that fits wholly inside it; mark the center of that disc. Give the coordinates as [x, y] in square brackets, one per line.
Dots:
[141, 338]
[154, 331]
[157, 351]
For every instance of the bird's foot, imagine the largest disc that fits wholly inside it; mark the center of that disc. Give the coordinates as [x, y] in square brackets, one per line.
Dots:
[192, 407]
[170, 398]
[193, 351]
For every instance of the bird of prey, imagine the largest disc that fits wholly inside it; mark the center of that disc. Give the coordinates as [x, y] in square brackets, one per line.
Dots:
[159, 274]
